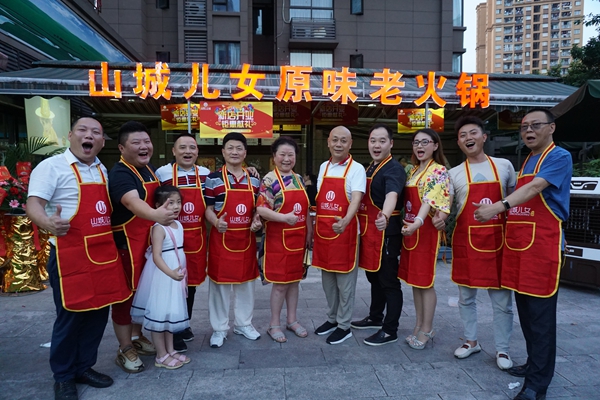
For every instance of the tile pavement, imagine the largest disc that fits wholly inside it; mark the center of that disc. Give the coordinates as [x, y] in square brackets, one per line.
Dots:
[309, 368]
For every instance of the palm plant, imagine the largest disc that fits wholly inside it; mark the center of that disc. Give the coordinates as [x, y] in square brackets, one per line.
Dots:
[30, 150]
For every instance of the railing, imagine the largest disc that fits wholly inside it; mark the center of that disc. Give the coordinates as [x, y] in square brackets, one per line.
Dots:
[304, 28]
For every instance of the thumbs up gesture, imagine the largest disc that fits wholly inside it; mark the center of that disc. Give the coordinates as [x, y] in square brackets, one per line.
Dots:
[381, 222]
[339, 225]
[164, 216]
[221, 224]
[57, 225]
[290, 218]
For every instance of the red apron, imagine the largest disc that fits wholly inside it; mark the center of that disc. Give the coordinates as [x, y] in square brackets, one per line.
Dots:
[476, 246]
[285, 244]
[89, 268]
[331, 251]
[419, 251]
[531, 256]
[137, 230]
[232, 255]
[371, 238]
[194, 228]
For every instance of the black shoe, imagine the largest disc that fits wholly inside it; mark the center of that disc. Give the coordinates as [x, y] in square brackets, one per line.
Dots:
[94, 379]
[325, 328]
[519, 371]
[187, 335]
[379, 339]
[65, 390]
[528, 394]
[366, 323]
[178, 344]
[339, 335]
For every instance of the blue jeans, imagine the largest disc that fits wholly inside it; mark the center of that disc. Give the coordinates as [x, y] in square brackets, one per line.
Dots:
[502, 311]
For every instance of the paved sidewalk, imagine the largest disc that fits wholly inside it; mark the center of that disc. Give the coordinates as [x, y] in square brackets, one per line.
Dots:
[309, 368]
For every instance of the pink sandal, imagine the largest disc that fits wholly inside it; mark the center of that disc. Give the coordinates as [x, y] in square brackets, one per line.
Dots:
[173, 364]
[180, 357]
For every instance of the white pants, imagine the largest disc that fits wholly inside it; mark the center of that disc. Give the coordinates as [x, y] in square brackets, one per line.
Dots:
[219, 296]
[502, 309]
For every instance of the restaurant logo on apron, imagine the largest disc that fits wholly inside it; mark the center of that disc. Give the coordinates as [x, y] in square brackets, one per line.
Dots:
[330, 196]
[521, 211]
[188, 207]
[241, 209]
[101, 207]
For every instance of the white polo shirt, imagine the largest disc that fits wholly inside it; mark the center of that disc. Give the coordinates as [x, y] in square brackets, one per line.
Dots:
[356, 180]
[54, 181]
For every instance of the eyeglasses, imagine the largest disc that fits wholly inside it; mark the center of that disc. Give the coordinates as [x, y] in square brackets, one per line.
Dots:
[536, 126]
[423, 142]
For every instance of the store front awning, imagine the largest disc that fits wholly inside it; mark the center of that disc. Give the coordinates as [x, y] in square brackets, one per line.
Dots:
[59, 78]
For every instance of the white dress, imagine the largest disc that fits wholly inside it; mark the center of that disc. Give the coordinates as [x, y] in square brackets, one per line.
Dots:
[160, 303]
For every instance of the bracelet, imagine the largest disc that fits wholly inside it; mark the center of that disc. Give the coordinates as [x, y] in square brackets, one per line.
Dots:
[420, 219]
[506, 204]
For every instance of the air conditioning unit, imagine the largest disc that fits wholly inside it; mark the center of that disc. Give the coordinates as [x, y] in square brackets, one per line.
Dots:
[582, 233]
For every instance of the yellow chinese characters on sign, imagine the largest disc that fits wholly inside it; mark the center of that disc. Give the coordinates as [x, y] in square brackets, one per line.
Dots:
[175, 116]
[253, 119]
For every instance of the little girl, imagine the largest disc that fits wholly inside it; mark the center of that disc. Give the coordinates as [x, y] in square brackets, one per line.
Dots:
[160, 300]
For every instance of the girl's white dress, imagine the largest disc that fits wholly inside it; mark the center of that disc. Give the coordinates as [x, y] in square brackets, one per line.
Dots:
[160, 303]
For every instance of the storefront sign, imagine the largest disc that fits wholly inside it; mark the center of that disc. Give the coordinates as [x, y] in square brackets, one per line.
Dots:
[330, 113]
[253, 119]
[294, 85]
[291, 113]
[175, 116]
[412, 119]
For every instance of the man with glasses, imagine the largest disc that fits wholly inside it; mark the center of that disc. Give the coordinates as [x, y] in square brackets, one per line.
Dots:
[476, 247]
[534, 244]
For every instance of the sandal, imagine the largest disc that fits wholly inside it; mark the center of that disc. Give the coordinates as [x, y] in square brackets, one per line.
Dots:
[278, 337]
[299, 330]
[180, 357]
[173, 364]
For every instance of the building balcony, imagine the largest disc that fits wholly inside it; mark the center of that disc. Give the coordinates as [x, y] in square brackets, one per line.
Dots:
[318, 33]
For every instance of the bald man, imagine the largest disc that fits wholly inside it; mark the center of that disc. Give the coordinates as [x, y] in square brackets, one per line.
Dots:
[341, 185]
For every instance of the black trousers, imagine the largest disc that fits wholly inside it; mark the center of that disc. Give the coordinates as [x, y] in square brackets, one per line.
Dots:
[385, 287]
[75, 336]
[538, 322]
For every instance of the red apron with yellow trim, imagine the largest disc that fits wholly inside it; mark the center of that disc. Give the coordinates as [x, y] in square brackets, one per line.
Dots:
[477, 246]
[531, 256]
[285, 244]
[232, 255]
[137, 230]
[331, 251]
[371, 238]
[194, 228]
[419, 251]
[89, 267]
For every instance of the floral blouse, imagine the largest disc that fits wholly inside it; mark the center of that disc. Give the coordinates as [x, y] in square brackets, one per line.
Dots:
[270, 194]
[433, 186]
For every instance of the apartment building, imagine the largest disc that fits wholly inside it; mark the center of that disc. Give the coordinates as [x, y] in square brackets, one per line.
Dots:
[407, 34]
[527, 36]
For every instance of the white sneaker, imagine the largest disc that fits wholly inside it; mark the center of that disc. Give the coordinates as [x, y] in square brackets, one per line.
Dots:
[217, 339]
[466, 350]
[248, 331]
[503, 360]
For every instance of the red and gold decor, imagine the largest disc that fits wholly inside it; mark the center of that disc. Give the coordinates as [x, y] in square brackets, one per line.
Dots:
[21, 270]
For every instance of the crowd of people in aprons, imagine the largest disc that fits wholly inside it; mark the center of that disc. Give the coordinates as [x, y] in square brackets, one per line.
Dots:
[387, 219]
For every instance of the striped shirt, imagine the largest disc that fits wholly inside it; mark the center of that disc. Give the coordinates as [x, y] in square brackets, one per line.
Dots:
[214, 187]
[184, 178]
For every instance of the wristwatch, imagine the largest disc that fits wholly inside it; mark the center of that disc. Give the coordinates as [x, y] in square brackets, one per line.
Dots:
[506, 204]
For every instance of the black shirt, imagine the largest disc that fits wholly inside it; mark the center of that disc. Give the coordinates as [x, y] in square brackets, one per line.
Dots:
[120, 181]
[390, 178]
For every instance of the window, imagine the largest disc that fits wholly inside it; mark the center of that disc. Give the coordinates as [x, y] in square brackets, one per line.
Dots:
[162, 4]
[356, 61]
[456, 62]
[498, 38]
[163, 56]
[577, 12]
[577, 31]
[498, 56]
[457, 13]
[497, 47]
[356, 7]
[498, 20]
[498, 11]
[226, 5]
[311, 9]
[498, 29]
[227, 53]
[322, 59]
